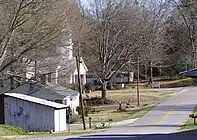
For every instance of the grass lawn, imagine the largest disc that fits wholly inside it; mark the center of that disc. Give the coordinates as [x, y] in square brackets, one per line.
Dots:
[12, 133]
[6, 130]
[189, 124]
[147, 96]
[148, 99]
[131, 113]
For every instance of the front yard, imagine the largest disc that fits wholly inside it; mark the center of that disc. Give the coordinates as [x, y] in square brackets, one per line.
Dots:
[148, 99]
[12, 133]
[189, 124]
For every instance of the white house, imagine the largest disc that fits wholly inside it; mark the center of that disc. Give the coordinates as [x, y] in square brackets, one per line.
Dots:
[62, 63]
[31, 113]
[120, 78]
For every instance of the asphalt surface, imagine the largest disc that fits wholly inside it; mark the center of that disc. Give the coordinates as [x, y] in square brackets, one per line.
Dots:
[161, 123]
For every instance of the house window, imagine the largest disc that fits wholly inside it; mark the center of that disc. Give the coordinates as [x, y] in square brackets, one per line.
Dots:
[1, 83]
[58, 101]
[65, 101]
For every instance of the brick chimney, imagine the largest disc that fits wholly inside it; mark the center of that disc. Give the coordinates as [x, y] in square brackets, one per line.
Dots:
[43, 79]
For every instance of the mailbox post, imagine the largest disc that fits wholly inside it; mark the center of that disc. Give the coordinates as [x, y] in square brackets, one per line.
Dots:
[194, 117]
[90, 122]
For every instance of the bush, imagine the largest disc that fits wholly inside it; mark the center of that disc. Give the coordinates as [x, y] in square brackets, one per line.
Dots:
[92, 87]
[75, 118]
[87, 96]
[181, 83]
[87, 110]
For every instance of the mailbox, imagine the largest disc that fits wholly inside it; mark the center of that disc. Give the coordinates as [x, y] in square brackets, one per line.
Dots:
[191, 115]
[194, 117]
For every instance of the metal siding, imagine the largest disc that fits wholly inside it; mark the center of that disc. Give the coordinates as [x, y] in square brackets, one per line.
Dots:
[62, 119]
[56, 120]
[28, 115]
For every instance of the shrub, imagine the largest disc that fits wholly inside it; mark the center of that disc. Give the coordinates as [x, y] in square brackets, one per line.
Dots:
[87, 96]
[92, 87]
[181, 83]
[75, 118]
[87, 110]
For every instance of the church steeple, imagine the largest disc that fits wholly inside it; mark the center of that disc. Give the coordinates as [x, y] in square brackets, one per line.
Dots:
[65, 48]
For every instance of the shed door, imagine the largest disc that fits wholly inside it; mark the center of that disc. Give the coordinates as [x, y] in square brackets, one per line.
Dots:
[60, 120]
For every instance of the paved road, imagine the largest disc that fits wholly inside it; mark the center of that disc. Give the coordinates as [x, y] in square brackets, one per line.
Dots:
[160, 123]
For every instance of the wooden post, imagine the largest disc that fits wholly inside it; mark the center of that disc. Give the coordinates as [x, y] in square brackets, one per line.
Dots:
[90, 122]
[138, 79]
[35, 70]
[80, 91]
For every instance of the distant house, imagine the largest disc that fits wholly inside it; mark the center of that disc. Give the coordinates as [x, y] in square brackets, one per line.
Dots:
[31, 113]
[120, 78]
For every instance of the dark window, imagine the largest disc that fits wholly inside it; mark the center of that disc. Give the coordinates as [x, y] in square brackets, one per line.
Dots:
[58, 101]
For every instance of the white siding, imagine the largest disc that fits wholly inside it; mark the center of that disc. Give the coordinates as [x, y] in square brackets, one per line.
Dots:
[60, 120]
[72, 104]
[28, 115]
[75, 104]
[82, 70]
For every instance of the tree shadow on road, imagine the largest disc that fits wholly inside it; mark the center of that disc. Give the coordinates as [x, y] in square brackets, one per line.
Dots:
[187, 135]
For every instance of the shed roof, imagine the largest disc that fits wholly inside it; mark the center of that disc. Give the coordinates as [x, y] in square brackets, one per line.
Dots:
[62, 90]
[36, 100]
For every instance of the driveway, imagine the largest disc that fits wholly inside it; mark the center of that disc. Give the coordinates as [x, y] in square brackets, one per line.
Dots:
[162, 122]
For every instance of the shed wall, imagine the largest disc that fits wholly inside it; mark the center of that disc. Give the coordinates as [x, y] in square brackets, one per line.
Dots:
[27, 115]
[60, 120]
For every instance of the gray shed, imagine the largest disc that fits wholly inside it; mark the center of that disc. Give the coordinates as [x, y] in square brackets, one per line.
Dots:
[31, 113]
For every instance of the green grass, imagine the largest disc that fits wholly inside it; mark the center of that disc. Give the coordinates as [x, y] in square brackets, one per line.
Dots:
[148, 98]
[6, 130]
[106, 114]
[179, 83]
[189, 124]
[13, 133]
[147, 95]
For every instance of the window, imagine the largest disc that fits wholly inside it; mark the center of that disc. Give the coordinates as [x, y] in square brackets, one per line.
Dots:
[58, 101]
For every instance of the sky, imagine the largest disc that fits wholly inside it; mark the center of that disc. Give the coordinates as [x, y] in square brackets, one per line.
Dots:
[84, 2]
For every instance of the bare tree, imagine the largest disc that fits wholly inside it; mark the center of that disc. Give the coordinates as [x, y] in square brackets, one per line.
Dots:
[153, 15]
[187, 16]
[32, 28]
[111, 39]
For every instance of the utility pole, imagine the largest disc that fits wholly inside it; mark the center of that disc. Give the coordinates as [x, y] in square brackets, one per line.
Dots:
[35, 70]
[138, 79]
[12, 71]
[78, 61]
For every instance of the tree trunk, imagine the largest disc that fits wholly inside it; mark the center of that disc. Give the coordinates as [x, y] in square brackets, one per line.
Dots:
[11, 82]
[104, 90]
[138, 79]
[145, 71]
[151, 72]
